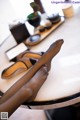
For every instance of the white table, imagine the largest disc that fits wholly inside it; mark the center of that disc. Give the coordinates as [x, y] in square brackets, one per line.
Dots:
[62, 87]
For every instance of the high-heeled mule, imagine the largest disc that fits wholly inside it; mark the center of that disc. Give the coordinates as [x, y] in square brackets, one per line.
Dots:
[21, 65]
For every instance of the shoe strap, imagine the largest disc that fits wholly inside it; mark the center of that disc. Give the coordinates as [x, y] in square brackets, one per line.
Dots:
[33, 55]
[26, 61]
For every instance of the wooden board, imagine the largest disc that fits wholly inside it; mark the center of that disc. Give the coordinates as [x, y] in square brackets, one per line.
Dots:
[45, 33]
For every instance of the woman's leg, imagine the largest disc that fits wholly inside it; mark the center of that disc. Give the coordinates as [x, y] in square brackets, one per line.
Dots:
[47, 57]
[26, 93]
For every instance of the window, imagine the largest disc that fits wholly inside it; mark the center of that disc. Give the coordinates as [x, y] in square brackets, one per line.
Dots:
[11, 10]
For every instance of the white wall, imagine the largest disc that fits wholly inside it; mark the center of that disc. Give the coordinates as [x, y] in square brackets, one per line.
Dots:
[6, 14]
[22, 7]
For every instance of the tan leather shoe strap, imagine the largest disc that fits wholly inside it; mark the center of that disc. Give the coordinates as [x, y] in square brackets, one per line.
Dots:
[33, 55]
[26, 61]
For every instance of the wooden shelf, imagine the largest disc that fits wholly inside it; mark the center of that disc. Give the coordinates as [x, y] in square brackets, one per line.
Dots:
[45, 33]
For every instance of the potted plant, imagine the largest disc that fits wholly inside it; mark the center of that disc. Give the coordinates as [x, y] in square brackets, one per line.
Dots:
[34, 18]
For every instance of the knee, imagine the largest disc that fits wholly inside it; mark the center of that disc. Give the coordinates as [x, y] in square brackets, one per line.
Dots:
[26, 92]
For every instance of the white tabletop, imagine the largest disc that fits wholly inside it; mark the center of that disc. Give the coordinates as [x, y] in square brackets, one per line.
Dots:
[62, 87]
